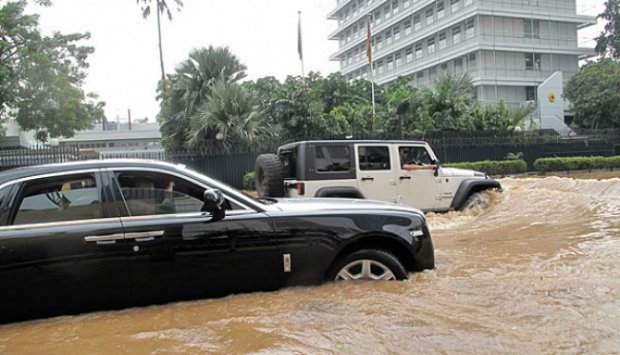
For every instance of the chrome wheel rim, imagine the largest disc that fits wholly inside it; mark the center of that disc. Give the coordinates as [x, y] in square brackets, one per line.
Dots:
[365, 269]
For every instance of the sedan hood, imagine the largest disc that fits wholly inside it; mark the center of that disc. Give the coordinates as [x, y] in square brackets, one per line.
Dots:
[334, 204]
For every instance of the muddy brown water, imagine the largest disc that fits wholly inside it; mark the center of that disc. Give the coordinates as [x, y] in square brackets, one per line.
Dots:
[535, 269]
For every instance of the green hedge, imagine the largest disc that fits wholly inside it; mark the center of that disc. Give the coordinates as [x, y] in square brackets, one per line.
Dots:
[248, 180]
[576, 163]
[503, 167]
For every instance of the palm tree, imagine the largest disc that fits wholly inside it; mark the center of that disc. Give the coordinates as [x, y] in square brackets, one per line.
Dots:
[232, 116]
[205, 66]
[162, 7]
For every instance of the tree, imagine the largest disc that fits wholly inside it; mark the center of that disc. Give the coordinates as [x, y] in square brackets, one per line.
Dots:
[608, 42]
[41, 77]
[231, 116]
[161, 8]
[594, 96]
[190, 86]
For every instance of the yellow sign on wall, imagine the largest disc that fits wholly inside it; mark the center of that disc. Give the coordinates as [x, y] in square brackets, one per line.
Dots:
[552, 97]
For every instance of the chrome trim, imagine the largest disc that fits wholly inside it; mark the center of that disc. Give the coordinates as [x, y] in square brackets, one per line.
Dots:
[97, 238]
[57, 224]
[144, 235]
[229, 213]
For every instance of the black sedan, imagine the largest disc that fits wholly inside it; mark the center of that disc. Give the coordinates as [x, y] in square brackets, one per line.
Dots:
[92, 235]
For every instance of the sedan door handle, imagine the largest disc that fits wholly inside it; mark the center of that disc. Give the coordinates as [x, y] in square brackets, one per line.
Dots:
[405, 178]
[104, 239]
[368, 179]
[144, 236]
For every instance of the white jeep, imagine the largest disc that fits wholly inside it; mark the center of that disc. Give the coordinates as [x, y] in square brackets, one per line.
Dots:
[396, 171]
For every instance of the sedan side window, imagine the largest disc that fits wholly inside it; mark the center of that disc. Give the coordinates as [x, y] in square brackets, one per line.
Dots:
[59, 199]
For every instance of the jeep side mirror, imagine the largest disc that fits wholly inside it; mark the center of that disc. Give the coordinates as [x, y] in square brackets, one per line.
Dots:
[214, 203]
[436, 168]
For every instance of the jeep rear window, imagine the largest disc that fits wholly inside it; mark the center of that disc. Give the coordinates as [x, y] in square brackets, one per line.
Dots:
[289, 160]
[331, 158]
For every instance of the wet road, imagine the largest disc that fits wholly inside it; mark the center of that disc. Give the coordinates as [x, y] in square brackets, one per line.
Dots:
[535, 270]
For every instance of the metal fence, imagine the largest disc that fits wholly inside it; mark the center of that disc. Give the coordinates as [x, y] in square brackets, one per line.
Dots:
[230, 167]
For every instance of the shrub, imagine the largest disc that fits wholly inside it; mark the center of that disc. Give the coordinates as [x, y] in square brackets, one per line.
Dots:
[504, 167]
[576, 163]
[248, 180]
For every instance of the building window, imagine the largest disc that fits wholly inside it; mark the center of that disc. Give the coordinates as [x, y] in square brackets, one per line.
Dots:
[467, 2]
[532, 61]
[472, 61]
[456, 35]
[530, 93]
[455, 5]
[379, 42]
[417, 22]
[429, 16]
[431, 74]
[530, 2]
[390, 63]
[380, 67]
[408, 27]
[386, 11]
[531, 28]
[458, 65]
[441, 11]
[442, 40]
[418, 50]
[406, 3]
[420, 77]
[396, 33]
[395, 6]
[377, 17]
[398, 60]
[409, 54]
[430, 45]
[469, 28]
[388, 37]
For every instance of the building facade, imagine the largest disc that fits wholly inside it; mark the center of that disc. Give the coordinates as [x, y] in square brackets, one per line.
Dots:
[508, 47]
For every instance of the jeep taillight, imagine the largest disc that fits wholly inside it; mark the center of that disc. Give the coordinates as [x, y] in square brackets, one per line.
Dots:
[301, 189]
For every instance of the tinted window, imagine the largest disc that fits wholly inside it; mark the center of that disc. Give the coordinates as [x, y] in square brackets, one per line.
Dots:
[150, 193]
[374, 158]
[329, 158]
[414, 155]
[59, 199]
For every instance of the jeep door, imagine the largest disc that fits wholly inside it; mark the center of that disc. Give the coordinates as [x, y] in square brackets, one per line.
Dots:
[376, 178]
[418, 188]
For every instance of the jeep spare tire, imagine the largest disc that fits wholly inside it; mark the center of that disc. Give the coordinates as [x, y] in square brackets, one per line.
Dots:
[269, 176]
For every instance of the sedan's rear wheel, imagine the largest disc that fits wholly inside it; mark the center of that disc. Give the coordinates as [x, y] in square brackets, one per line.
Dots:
[368, 264]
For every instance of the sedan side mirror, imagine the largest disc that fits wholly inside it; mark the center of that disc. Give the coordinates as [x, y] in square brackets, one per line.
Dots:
[214, 203]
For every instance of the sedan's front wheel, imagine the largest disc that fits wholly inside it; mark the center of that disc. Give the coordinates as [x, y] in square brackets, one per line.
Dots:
[368, 264]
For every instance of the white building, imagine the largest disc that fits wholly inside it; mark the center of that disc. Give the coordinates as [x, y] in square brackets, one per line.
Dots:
[508, 47]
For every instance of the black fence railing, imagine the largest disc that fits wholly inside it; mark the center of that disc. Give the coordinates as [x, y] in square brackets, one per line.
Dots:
[230, 166]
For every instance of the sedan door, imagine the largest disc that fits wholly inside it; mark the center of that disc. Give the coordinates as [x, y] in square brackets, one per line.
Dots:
[61, 250]
[178, 252]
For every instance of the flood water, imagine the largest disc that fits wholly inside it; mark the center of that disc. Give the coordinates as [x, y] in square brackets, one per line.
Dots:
[535, 269]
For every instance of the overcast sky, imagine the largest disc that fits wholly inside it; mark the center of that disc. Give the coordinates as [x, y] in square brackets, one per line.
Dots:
[124, 69]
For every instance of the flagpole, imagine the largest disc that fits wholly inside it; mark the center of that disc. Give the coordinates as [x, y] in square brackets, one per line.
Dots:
[369, 54]
[299, 47]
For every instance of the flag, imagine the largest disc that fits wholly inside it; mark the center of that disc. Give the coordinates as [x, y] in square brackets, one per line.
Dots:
[369, 44]
[299, 50]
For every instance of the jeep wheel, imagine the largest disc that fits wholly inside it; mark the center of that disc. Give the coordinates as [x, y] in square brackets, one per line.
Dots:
[368, 264]
[269, 176]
